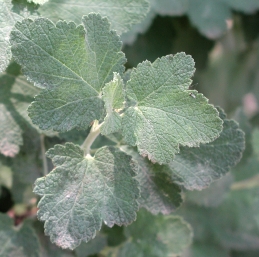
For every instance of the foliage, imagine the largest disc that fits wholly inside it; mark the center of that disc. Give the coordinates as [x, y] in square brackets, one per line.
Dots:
[99, 109]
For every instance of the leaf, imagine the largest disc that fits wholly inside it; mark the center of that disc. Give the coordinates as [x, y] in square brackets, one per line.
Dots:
[163, 113]
[205, 250]
[121, 14]
[82, 191]
[73, 65]
[38, 1]
[158, 192]
[47, 249]
[197, 168]
[15, 242]
[113, 97]
[170, 7]
[249, 6]
[10, 13]
[15, 95]
[212, 196]
[209, 17]
[156, 236]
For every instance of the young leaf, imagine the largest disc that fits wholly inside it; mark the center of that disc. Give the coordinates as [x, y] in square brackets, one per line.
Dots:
[197, 168]
[158, 193]
[165, 114]
[82, 191]
[156, 236]
[74, 63]
[15, 242]
[15, 95]
[10, 13]
[122, 14]
[113, 97]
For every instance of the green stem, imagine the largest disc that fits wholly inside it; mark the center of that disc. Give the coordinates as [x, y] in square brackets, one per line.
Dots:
[44, 159]
[94, 133]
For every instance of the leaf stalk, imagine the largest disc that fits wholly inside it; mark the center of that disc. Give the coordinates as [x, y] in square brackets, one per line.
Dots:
[94, 133]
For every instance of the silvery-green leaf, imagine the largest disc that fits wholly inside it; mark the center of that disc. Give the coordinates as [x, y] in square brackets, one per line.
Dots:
[81, 192]
[163, 112]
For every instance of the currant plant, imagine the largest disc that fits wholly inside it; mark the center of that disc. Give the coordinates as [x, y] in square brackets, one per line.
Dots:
[162, 137]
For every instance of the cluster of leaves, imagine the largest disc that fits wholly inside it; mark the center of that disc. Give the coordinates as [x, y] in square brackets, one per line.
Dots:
[127, 147]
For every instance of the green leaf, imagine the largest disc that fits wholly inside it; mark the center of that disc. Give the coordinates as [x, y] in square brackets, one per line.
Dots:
[209, 17]
[10, 13]
[170, 7]
[158, 192]
[38, 1]
[212, 196]
[121, 14]
[15, 95]
[156, 236]
[15, 242]
[74, 63]
[197, 168]
[205, 250]
[164, 113]
[47, 249]
[248, 6]
[82, 191]
[113, 97]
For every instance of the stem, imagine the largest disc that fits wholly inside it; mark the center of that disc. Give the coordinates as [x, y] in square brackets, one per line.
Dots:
[44, 159]
[246, 184]
[94, 133]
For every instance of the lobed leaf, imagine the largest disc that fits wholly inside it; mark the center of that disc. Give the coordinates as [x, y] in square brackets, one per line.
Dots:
[82, 191]
[156, 236]
[163, 112]
[74, 63]
[113, 97]
[197, 168]
[122, 14]
[158, 193]
[10, 13]
[15, 242]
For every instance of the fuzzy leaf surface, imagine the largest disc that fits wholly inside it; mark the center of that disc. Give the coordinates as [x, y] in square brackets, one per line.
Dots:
[113, 98]
[158, 192]
[81, 192]
[15, 242]
[74, 63]
[122, 14]
[197, 168]
[10, 13]
[156, 236]
[163, 112]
